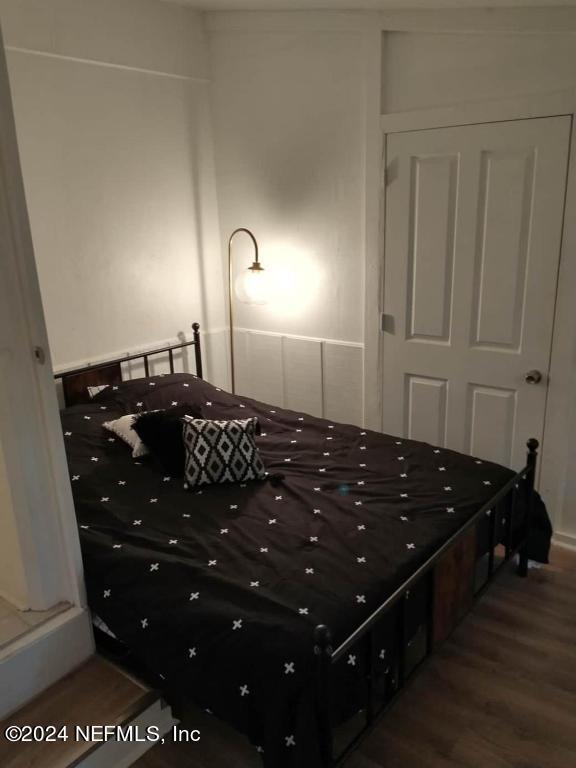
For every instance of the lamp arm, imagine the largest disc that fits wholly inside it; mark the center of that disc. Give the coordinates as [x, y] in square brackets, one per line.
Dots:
[230, 298]
[250, 235]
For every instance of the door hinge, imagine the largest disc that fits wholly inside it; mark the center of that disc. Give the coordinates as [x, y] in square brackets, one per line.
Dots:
[390, 172]
[386, 323]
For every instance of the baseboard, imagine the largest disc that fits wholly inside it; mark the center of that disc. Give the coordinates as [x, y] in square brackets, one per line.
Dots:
[42, 656]
[13, 600]
[567, 540]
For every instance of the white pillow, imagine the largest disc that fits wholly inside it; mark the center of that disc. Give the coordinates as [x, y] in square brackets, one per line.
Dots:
[93, 391]
[123, 428]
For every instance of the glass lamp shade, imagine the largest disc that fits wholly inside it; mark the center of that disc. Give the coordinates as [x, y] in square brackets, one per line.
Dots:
[251, 286]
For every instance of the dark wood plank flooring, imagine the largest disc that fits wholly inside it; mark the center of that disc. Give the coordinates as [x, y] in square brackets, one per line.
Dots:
[500, 692]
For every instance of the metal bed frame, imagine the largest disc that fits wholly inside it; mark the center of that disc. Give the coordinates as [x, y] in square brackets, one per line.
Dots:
[110, 371]
[326, 655]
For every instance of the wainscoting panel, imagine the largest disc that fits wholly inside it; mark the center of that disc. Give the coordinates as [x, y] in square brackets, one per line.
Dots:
[302, 368]
[258, 367]
[342, 375]
[314, 376]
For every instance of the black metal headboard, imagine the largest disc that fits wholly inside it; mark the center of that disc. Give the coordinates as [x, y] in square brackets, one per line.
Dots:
[75, 382]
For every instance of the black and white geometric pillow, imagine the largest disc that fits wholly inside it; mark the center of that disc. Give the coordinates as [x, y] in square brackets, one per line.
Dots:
[221, 451]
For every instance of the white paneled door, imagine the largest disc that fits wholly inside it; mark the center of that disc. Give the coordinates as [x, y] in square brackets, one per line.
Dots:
[473, 232]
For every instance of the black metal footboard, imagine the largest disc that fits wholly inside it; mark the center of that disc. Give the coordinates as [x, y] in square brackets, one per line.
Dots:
[501, 530]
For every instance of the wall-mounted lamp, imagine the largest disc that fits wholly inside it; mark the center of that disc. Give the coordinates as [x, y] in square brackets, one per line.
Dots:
[250, 288]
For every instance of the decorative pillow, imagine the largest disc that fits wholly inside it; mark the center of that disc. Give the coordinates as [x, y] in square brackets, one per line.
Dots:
[93, 391]
[123, 428]
[221, 451]
[161, 432]
[162, 391]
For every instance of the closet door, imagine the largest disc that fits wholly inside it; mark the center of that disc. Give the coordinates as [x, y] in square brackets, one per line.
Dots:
[473, 233]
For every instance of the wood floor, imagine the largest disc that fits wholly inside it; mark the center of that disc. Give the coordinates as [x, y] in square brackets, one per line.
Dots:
[97, 693]
[500, 693]
[15, 623]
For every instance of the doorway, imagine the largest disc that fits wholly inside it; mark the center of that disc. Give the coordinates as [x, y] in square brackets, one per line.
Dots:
[474, 218]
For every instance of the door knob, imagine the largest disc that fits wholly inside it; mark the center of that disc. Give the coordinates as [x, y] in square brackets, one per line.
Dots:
[533, 377]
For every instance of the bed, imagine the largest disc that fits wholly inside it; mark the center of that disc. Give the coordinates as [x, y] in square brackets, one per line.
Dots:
[292, 605]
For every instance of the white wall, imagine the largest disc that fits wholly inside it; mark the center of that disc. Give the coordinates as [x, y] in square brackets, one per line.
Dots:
[567, 528]
[423, 69]
[288, 111]
[12, 578]
[112, 117]
[289, 123]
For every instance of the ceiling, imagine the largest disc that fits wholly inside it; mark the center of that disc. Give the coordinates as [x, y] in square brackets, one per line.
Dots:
[358, 5]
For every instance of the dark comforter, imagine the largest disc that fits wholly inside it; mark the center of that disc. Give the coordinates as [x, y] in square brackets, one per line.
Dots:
[219, 591]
